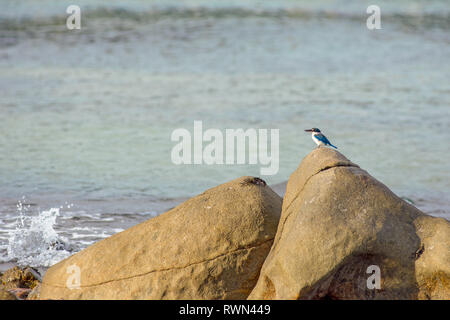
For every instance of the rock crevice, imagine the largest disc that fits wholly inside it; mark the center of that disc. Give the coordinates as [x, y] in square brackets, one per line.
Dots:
[173, 268]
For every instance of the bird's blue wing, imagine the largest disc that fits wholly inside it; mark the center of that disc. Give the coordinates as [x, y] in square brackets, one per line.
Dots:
[322, 138]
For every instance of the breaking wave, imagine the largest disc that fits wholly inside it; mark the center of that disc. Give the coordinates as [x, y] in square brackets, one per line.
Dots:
[34, 242]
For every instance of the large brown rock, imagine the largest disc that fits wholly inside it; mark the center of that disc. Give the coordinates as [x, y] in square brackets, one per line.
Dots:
[209, 247]
[337, 221]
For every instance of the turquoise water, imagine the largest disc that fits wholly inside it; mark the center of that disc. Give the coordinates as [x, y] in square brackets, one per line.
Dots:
[86, 116]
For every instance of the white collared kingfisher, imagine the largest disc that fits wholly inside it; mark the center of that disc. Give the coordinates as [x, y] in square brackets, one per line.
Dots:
[319, 138]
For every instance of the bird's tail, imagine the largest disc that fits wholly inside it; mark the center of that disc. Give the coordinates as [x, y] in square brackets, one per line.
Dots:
[332, 146]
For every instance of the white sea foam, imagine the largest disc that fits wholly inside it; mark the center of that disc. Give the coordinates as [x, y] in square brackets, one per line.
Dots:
[35, 242]
[41, 238]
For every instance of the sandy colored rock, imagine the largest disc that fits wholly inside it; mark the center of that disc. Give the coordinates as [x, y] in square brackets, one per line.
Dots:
[209, 247]
[5, 295]
[336, 221]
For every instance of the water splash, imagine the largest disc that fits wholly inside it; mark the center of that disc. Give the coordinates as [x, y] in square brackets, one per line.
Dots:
[34, 242]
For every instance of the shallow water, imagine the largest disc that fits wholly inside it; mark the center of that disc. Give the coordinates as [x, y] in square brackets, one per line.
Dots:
[86, 116]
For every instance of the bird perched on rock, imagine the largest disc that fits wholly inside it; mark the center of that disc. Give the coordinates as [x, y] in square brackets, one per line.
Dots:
[319, 138]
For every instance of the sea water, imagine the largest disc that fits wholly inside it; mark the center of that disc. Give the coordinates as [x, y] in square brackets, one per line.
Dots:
[86, 115]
